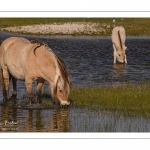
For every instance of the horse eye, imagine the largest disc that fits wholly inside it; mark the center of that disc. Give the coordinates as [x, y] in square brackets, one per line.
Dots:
[60, 90]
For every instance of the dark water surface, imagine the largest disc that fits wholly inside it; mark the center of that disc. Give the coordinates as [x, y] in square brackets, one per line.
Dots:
[90, 63]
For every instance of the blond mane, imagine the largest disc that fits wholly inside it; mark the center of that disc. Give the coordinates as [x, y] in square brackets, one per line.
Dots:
[64, 71]
[120, 39]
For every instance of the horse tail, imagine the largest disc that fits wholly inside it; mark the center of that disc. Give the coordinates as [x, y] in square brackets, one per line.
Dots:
[120, 38]
[3, 84]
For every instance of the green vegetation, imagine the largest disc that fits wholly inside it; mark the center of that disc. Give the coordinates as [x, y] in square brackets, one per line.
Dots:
[129, 99]
[133, 26]
[46, 104]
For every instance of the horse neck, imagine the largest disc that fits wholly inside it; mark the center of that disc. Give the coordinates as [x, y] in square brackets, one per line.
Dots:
[61, 71]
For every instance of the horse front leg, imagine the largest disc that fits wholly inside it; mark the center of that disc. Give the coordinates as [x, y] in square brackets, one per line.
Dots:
[38, 90]
[28, 82]
[115, 54]
[125, 59]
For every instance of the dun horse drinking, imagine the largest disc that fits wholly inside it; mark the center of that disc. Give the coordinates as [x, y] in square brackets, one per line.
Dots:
[118, 40]
[25, 60]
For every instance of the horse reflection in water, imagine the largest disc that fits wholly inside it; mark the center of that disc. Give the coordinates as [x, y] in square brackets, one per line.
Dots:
[34, 122]
[60, 121]
[8, 118]
[57, 122]
[119, 69]
[25, 60]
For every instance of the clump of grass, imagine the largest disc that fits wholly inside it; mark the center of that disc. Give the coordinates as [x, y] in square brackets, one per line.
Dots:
[128, 99]
[46, 101]
[24, 101]
[46, 104]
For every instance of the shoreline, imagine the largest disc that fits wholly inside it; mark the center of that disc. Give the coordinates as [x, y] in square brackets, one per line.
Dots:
[77, 28]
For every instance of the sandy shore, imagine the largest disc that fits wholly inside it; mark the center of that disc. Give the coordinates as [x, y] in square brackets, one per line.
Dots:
[79, 28]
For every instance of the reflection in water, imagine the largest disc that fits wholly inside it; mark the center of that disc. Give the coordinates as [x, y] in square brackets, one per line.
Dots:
[86, 120]
[69, 120]
[19, 120]
[119, 72]
[35, 121]
[119, 69]
[8, 118]
[60, 121]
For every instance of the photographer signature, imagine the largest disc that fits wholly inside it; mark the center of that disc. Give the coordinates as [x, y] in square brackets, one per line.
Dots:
[8, 123]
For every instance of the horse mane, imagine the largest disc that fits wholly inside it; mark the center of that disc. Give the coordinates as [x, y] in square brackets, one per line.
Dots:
[119, 38]
[40, 43]
[64, 71]
[61, 64]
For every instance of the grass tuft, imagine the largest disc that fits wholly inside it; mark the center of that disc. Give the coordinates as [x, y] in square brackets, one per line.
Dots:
[129, 100]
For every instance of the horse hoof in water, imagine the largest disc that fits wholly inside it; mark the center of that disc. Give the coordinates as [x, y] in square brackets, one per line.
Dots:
[13, 96]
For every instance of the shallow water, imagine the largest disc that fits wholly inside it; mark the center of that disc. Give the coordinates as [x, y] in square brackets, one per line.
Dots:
[68, 120]
[90, 63]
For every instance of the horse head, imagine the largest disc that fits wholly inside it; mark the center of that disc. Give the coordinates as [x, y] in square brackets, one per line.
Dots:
[121, 55]
[61, 92]
[62, 84]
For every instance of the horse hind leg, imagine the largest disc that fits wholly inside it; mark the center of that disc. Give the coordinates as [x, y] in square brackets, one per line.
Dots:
[5, 83]
[38, 90]
[14, 82]
[3, 87]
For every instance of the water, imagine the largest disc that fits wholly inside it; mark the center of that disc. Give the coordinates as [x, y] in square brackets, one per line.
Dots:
[69, 120]
[90, 63]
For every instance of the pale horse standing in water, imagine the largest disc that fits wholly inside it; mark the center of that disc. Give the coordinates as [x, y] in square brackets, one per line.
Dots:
[25, 60]
[118, 40]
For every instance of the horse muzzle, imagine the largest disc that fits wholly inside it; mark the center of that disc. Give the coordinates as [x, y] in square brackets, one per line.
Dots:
[121, 62]
[64, 103]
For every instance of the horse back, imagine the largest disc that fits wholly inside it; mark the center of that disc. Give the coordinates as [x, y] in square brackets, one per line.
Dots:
[12, 54]
[9, 41]
[118, 37]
